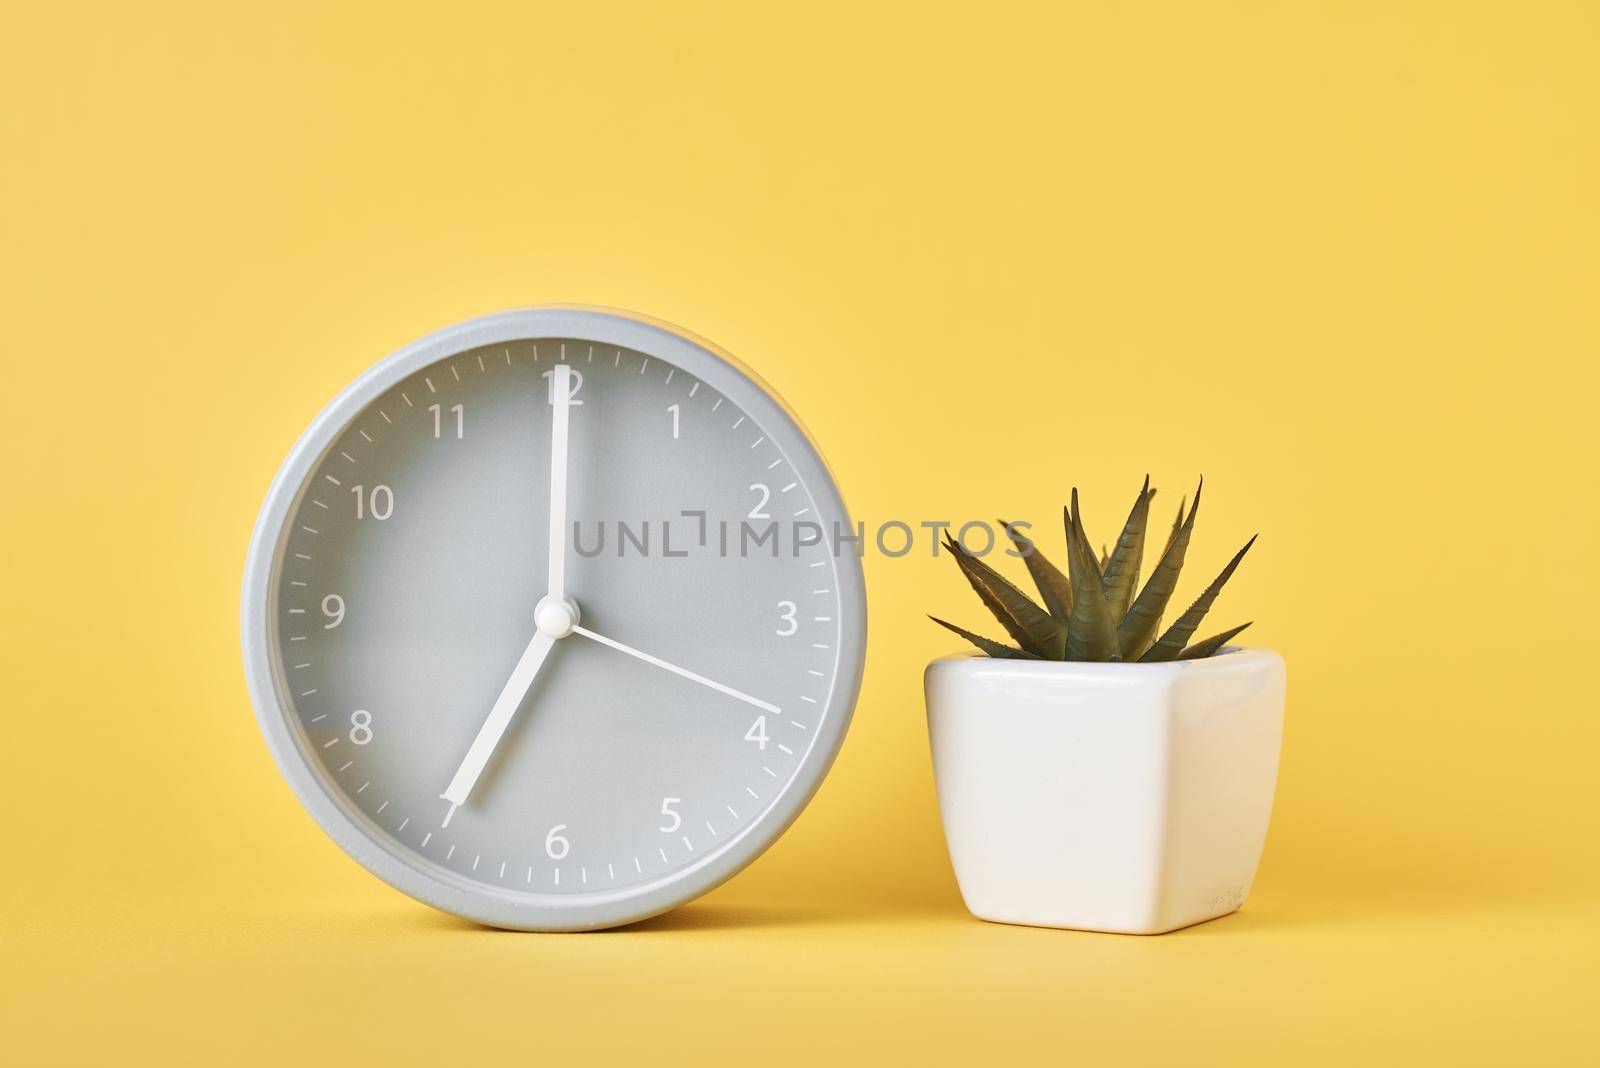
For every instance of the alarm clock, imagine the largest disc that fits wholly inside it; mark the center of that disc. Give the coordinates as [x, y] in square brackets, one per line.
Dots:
[555, 618]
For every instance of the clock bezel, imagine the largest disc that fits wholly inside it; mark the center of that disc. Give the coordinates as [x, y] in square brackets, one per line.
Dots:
[373, 846]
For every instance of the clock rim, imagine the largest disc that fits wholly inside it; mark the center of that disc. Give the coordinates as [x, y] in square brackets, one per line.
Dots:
[353, 830]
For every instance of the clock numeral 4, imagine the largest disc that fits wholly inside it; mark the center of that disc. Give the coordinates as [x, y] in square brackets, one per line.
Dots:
[758, 733]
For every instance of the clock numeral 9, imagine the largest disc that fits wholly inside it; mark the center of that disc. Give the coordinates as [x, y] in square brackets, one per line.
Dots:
[379, 503]
[674, 820]
[556, 846]
[758, 733]
[333, 608]
[572, 394]
[460, 411]
[787, 623]
[360, 726]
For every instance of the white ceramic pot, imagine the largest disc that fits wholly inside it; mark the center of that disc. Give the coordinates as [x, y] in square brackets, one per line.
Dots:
[1106, 797]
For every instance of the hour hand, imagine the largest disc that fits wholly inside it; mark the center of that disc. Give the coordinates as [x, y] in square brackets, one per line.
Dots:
[505, 706]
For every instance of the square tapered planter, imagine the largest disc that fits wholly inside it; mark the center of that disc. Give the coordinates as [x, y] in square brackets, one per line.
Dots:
[1106, 797]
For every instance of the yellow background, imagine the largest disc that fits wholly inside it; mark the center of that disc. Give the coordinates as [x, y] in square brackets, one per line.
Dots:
[1340, 259]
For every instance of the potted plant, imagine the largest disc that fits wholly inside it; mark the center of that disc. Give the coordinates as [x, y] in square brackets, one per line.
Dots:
[1102, 773]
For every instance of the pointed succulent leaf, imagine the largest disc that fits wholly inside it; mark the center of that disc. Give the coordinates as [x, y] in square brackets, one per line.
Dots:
[1091, 633]
[1053, 585]
[1138, 627]
[988, 646]
[1177, 635]
[1121, 571]
[1029, 625]
[1202, 649]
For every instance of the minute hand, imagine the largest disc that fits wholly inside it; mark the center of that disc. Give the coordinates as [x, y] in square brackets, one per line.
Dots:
[765, 706]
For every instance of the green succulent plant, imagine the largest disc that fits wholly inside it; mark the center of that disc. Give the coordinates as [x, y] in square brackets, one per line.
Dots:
[1096, 610]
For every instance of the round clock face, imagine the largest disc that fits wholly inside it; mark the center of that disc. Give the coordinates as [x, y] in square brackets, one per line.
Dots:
[553, 619]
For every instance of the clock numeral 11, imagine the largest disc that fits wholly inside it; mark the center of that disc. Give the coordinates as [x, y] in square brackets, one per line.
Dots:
[460, 411]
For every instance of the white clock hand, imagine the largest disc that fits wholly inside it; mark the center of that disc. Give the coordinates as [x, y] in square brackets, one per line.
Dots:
[676, 670]
[511, 695]
[561, 398]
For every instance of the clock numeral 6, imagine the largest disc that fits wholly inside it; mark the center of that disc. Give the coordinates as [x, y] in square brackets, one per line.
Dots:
[333, 608]
[787, 623]
[460, 411]
[758, 733]
[674, 820]
[556, 846]
[379, 503]
[572, 394]
[361, 726]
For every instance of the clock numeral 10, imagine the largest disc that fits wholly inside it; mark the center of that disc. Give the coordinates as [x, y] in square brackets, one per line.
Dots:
[460, 411]
[379, 503]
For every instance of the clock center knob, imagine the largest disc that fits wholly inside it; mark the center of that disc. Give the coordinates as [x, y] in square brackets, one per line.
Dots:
[556, 618]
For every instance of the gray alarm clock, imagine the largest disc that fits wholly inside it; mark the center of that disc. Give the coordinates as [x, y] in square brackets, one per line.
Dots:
[554, 619]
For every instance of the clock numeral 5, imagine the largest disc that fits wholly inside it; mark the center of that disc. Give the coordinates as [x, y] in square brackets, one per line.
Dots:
[674, 820]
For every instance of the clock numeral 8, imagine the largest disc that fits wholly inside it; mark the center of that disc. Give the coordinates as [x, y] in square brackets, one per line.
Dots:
[361, 726]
